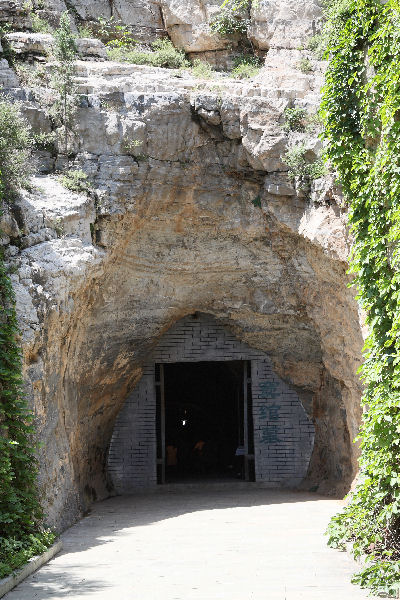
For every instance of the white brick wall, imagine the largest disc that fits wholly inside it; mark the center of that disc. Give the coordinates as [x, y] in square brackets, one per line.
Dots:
[283, 433]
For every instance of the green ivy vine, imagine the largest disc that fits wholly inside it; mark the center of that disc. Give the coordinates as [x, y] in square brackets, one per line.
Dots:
[21, 533]
[361, 110]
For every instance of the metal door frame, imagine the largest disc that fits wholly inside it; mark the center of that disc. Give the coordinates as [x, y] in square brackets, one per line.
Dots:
[160, 421]
[248, 428]
[249, 457]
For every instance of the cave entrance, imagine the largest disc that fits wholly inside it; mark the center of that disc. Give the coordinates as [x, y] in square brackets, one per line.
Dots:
[204, 421]
[225, 386]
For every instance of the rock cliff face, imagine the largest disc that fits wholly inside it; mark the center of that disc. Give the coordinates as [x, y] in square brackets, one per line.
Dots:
[194, 211]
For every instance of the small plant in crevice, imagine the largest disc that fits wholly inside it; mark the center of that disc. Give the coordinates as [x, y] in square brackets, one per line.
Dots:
[4, 29]
[314, 122]
[227, 23]
[45, 141]
[40, 25]
[317, 45]
[299, 120]
[166, 55]
[112, 30]
[295, 119]
[32, 75]
[246, 67]
[302, 168]
[202, 69]
[58, 227]
[162, 54]
[8, 51]
[305, 65]
[76, 180]
[126, 44]
[233, 18]
[131, 146]
[84, 31]
[256, 202]
[30, 6]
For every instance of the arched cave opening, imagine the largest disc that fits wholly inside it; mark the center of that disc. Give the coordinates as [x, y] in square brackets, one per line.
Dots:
[292, 437]
[280, 297]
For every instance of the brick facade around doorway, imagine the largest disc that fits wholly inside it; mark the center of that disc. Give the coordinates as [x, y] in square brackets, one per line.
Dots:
[283, 433]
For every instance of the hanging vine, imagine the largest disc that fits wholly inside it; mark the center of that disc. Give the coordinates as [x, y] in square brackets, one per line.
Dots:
[361, 109]
[21, 535]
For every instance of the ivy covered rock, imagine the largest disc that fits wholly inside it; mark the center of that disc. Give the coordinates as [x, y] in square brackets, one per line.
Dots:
[361, 105]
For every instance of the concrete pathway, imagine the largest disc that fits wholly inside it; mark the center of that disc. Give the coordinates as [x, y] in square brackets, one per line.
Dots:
[205, 543]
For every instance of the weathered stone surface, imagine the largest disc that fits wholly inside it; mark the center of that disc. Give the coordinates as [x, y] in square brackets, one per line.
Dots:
[273, 24]
[37, 117]
[284, 23]
[142, 16]
[189, 25]
[8, 228]
[26, 43]
[145, 14]
[91, 47]
[13, 13]
[42, 43]
[88, 10]
[8, 78]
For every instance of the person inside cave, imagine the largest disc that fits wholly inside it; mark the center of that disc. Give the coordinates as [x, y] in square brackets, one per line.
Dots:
[198, 455]
[172, 458]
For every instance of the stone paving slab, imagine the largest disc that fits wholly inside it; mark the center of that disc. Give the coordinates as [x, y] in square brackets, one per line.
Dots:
[199, 544]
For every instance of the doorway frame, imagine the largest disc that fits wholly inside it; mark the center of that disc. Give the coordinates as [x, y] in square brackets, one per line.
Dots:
[248, 424]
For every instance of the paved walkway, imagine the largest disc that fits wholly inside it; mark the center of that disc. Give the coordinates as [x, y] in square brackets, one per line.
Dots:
[199, 544]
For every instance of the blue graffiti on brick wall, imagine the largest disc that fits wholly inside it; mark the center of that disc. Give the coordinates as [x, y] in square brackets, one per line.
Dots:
[269, 389]
[269, 434]
[269, 414]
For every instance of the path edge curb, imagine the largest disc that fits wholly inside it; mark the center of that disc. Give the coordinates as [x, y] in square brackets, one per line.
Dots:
[8, 583]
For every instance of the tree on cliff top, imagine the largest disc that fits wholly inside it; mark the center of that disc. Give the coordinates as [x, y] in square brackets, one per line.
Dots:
[65, 53]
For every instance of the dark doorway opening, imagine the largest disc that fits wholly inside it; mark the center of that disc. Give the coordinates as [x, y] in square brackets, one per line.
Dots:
[204, 421]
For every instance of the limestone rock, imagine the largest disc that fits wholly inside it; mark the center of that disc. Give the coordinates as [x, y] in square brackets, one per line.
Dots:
[91, 47]
[29, 43]
[42, 43]
[284, 23]
[37, 117]
[274, 24]
[13, 13]
[88, 10]
[143, 17]
[189, 25]
[8, 78]
[8, 228]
